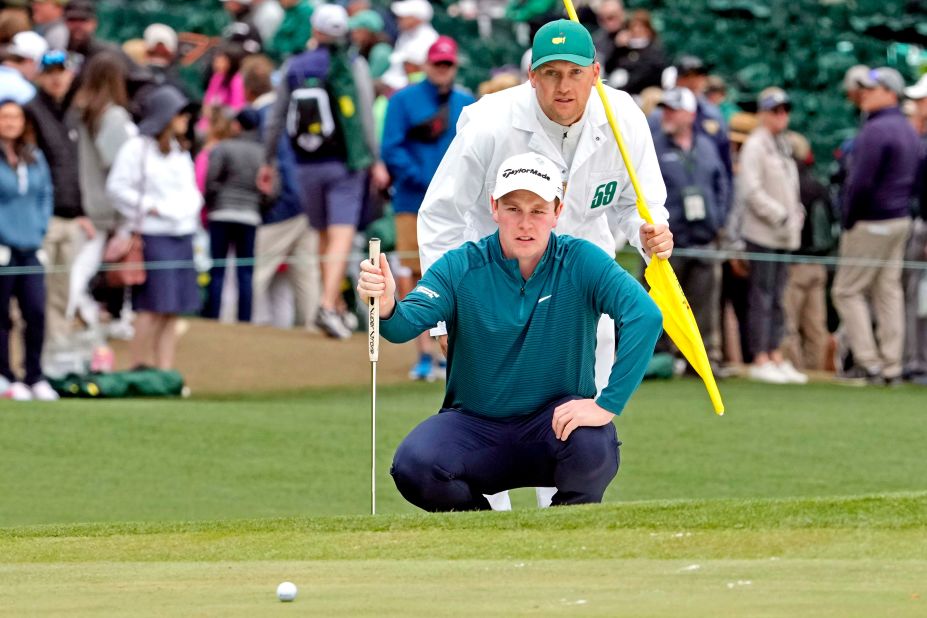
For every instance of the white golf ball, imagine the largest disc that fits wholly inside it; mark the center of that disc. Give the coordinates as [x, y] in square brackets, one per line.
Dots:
[286, 591]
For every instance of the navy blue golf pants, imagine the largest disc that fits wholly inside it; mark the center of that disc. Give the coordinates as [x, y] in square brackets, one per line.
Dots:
[452, 458]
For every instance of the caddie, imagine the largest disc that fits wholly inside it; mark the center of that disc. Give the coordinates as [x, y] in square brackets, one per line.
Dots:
[556, 114]
[521, 307]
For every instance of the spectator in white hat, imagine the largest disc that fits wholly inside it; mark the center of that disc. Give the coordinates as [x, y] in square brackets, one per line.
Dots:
[48, 21]
[416, 35]
[25, 52]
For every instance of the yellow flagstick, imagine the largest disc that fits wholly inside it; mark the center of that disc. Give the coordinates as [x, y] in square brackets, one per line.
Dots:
[678, 321]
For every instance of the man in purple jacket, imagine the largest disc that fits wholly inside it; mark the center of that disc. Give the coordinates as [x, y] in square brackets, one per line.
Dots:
[877, 221]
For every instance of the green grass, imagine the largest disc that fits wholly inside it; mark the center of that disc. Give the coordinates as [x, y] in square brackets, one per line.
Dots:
[800, 501]
[827, 557]
[308, 454]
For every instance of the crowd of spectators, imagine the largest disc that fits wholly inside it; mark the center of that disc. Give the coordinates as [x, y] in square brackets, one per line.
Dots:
[319, 118]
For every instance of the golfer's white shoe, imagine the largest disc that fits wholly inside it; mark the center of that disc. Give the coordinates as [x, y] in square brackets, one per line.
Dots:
[500, 501]
[545, 496]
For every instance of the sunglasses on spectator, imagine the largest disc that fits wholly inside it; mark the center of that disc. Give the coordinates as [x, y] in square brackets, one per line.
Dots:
[443, 64]
[781, 109]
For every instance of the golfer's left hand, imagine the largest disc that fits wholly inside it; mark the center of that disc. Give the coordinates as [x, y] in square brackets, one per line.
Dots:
[656, 239]
[578, 413]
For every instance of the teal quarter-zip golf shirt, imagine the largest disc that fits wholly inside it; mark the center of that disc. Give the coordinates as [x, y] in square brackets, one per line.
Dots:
[514, 346]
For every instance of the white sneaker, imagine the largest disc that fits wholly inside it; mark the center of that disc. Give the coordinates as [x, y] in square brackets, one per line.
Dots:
[18, 392]
[42, 391]
[793, 375]
[330, 323]
[545, 496]
[500, 501]
[767, 372]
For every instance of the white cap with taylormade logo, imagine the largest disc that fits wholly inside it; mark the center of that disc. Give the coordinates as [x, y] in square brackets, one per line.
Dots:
[530, 172]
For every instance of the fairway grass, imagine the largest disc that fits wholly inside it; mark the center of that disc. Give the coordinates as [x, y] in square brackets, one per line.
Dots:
[863, 556]
[800, 501]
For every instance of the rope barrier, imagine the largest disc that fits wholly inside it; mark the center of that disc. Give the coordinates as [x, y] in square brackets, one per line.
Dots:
[717, 255]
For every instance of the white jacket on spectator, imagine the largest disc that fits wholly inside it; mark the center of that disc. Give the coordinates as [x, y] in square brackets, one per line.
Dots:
[410, 46]
[162, 185]
[772, 214]
[456, 208]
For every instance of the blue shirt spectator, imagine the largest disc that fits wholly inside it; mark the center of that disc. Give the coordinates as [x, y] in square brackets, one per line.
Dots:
[420, 125]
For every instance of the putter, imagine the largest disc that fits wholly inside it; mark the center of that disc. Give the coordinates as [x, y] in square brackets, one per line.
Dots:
[373, 352]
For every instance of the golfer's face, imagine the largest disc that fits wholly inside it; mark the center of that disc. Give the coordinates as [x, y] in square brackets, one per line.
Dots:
[563, 88]
[525, 221]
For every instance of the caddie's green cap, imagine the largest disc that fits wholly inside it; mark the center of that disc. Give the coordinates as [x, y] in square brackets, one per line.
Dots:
[366, 20]
[562, 40]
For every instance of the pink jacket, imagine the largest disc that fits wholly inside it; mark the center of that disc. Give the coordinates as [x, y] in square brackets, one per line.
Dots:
[217, 95]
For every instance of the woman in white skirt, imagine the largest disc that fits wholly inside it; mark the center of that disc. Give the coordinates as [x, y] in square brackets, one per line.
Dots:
[152, 185]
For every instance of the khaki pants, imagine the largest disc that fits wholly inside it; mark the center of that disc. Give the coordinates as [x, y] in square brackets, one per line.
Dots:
[274, 244]
[63, 241]
[856, 287]
[806, 335]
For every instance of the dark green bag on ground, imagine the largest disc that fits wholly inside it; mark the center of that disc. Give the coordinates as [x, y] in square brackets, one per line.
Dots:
[140, 383]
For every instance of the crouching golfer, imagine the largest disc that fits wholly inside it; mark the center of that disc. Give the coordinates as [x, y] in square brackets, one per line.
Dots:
[521, 308]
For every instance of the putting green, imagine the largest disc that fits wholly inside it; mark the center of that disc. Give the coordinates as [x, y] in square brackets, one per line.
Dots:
[861, 556]
[822, 588]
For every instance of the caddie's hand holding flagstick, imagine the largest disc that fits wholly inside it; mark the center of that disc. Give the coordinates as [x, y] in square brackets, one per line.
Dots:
[678, 321]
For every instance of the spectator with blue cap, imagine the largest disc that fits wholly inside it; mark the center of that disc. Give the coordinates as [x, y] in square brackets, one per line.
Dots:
[56, 133]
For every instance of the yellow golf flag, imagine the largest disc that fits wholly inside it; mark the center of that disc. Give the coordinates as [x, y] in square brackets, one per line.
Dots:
[678, 321]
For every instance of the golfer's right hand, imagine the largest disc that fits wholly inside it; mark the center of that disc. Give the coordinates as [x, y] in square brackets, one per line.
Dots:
[378, 282]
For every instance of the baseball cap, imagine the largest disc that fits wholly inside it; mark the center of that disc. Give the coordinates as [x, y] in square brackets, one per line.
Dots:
[80, 10]
[562, 40]
[853, 75]
[531, 172]
[163, 34]
[918, 90]
[771, 98]
[420, 9]
[27, 45]
[688, 65]
[366, 20]
[444, 49]
[679, 98]
[330, 19]
[886, 77]
[54, 59]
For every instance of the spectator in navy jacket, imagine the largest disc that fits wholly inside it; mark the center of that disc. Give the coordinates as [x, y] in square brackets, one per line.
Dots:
[877, 221]
[25, 208]
[421, 121]
[697, 198]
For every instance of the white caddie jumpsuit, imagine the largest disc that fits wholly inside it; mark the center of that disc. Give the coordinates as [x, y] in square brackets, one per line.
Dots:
[599, 202]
